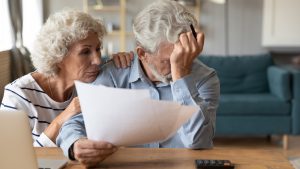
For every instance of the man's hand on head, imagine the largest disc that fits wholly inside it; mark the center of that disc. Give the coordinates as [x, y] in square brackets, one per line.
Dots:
[90, 153]
[186, 49]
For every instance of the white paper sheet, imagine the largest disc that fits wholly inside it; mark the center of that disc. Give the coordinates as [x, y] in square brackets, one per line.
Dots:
[126, 117]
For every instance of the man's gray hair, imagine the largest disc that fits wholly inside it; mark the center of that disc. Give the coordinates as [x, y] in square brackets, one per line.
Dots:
[61, 30]
[161, 21]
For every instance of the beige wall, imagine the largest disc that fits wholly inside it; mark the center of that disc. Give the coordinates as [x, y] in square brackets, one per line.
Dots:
[52, 6]
[244, 29]
[244, 23]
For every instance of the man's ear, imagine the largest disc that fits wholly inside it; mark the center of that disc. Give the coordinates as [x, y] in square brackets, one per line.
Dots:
[141, 53]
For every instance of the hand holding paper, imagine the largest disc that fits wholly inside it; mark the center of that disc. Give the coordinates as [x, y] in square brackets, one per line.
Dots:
[126, 117]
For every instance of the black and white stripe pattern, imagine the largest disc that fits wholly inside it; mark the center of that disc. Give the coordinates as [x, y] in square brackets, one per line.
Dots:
[26, 95]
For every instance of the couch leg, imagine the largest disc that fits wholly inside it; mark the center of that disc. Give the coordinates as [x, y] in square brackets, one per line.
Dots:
[285, 141]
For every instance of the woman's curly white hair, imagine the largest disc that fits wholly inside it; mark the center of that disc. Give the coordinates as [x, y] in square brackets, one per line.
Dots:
[60, 31]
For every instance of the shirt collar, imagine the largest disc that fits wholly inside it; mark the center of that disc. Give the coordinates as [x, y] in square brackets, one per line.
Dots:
[136, 72]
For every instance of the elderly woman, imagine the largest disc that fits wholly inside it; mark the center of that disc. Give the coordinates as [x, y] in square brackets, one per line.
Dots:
[66, 49]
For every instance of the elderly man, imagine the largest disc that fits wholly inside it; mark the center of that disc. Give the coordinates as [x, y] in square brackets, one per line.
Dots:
[166, 66]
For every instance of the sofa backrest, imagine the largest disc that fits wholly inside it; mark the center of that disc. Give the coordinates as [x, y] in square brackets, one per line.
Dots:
[240, 74]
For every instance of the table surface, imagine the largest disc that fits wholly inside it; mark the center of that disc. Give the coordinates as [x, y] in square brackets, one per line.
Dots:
[179, 158]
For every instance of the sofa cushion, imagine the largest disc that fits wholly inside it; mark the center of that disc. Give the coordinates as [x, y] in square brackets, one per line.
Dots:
[240, 74]
[279, 82]
[253, 125]
[252, 104]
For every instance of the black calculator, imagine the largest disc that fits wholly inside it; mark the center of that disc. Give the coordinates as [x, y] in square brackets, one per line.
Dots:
[213, 164]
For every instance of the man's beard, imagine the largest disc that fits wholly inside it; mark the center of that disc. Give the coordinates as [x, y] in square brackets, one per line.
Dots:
[163, 78]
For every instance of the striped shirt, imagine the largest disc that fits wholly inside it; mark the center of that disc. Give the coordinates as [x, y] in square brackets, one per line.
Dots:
[25, 94]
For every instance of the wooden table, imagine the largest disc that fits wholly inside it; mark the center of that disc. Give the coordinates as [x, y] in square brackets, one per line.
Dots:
[180, 158]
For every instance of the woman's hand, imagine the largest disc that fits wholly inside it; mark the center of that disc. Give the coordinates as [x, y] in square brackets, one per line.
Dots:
[73, 109]
[53, 129]
[123, 59]
[90, 153]
[185, 51]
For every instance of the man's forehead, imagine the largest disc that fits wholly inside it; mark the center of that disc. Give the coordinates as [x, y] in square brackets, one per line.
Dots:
[165, 46]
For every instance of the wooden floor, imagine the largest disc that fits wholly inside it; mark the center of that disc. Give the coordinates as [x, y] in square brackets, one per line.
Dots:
[274, 143]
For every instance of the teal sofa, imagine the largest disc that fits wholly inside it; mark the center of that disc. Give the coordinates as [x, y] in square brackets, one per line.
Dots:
[257, 97]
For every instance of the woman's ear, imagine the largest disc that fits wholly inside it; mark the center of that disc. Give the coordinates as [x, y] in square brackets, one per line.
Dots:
[60, 64]
[141, 53]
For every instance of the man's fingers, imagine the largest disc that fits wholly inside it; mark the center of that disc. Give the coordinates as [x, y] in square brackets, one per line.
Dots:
[88, 144]
[184, 39]
[186, 43]
[92, 162]
[191, 37]
[192, 42]
[89, 153]
[200, 40]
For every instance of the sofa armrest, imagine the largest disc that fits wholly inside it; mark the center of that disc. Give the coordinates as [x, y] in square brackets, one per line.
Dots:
[295, 99]
[280, 82]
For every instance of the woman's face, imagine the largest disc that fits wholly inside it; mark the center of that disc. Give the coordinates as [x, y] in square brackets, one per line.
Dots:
[82, 60]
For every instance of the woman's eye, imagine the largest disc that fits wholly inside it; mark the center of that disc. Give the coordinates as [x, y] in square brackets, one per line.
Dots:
[98, 49]
[85, 52]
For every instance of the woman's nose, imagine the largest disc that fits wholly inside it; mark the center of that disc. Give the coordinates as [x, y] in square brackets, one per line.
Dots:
[96, 59]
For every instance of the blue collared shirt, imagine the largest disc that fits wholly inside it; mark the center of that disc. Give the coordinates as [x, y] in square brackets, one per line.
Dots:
[201, 87]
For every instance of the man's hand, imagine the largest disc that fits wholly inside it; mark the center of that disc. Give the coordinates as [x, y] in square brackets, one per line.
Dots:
[90, 153]
[185, 51]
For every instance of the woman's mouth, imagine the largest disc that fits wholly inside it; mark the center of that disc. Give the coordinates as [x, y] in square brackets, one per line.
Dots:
[93, 73]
